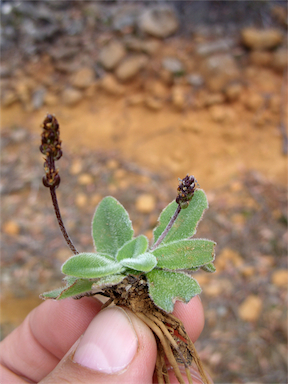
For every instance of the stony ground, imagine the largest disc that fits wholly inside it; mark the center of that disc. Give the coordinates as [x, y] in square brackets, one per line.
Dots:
[199, 100]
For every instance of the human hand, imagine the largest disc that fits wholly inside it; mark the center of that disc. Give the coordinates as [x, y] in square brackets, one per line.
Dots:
[116, 347]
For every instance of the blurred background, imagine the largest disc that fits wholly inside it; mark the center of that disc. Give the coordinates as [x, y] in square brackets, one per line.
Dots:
[146, 92]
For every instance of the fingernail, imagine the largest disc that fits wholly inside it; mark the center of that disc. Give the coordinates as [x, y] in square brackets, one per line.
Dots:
[109, 344]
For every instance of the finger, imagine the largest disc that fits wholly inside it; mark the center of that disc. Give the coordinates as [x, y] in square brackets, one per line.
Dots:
[192, 316]
[117, 347]
[34, 348]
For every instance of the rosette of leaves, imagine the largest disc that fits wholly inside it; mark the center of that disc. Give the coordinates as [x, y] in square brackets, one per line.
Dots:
[166, 269]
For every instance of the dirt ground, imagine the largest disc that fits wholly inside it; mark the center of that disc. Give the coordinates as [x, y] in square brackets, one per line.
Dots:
[118, 145]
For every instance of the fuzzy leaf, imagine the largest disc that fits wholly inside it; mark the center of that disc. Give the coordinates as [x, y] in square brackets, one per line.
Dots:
[185, 254]
[111, 226]
[166, 287]
[186, 223]
[144, 263]
[210, 267]
[107, 281]
[52, 294]
[79, 286]
[132, 248]
[90, 265]
[73, 287]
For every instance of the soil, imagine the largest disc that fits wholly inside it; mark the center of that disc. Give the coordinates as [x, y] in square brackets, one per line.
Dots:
[158, 140]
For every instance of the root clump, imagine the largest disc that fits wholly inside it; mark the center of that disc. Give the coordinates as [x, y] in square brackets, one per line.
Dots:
[174, 347]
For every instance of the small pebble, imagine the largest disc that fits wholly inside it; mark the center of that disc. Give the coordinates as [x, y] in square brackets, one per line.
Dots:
[85, 179]
[11, 228]
[251, 308]
[280, 278]
[145, 203]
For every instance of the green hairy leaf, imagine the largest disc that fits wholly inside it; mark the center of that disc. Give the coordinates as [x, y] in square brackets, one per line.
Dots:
[90, 265]
[144, 263]
[185, 254]
[167, 287]
[74, 287]
[111, 226]
[186, 223]
[107, 281]
[132, 248]
[209, 268]
[78, 287]
[52, 294]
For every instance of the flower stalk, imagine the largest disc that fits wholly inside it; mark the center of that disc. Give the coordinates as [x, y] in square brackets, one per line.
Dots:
[186, 191]
[51, 148]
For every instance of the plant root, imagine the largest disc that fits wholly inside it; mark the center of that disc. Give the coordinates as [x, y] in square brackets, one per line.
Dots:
[171, 337]
[165, 344]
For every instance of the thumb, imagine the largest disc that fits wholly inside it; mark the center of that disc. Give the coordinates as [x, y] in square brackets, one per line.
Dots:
[116, 347]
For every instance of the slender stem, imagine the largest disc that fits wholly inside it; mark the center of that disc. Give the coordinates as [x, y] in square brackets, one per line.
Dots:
[60, 221]
[167, 229]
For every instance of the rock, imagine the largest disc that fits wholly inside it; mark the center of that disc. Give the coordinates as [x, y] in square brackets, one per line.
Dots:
[71, 96]
[38, 97]
[280, 278]
[9, 97]
[178, 97]
[112, 54]
[63, 254]
[130, 67]
[136, 99]
[111, 85]
[83, 78]
[261, 58]
[280, 59]
[214, 289]
[233, 91]
[190, 125]
[145, 203]
[159, 21]
[281, 14]
[253, 101]
[11, 228]
[23, 90]
[63, 52]
[85, 179]
[275, 103]
[212, 98]
[125, 17]
[219, 70]
[76, 167]
[222, 114]
[112, 164]
[173, 65]
[166, 76]
[251, 308]
[5, 71]
[248, 271]
[81, 200]
[195, 79]
[149, 46]
[95, 199]
[50, 99]
[204, 49]
[261, 38]
[228, 257]
[153, 102]
[157, 89]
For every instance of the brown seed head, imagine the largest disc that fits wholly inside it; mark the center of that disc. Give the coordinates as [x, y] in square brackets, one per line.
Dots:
[186, 191]
[51, 149]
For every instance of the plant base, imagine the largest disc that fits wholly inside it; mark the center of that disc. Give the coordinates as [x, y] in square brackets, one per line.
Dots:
[172, 340]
